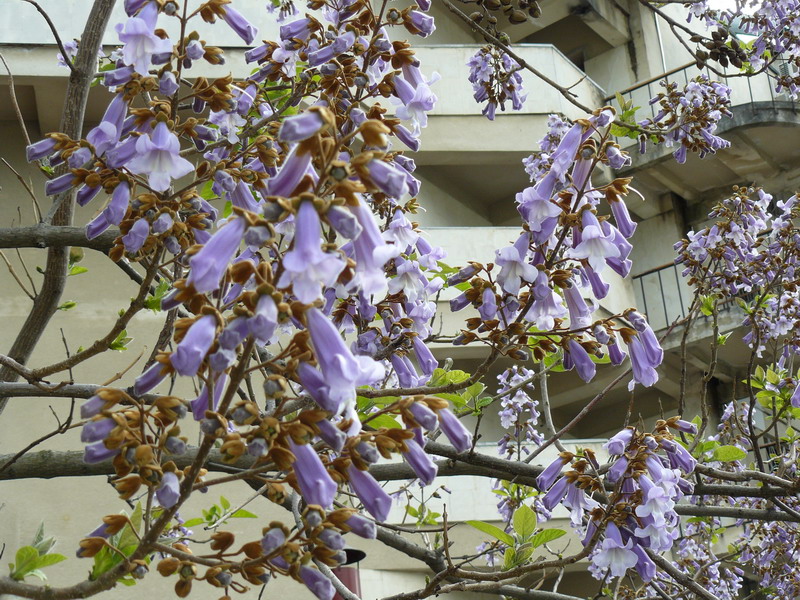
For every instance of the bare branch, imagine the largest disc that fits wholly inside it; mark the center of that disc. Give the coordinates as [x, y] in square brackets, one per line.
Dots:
[54, 236]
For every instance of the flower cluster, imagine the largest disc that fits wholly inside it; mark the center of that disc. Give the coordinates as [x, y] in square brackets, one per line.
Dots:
[689, 117]
[647, 477]
[747, 256]
[495, 79]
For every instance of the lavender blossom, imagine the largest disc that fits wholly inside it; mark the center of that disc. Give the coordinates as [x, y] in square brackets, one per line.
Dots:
[316, 485]
[191, 351]
[158, 158]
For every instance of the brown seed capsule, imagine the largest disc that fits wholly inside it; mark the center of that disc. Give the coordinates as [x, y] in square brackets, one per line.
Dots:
[168, 566]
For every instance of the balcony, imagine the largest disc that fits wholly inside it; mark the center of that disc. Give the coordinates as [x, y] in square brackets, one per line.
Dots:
[761, 151]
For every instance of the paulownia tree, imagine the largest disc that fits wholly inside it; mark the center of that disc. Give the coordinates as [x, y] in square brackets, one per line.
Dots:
[269, 221]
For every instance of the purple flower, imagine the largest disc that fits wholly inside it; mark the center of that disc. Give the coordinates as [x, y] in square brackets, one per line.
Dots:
[645, 567]
[331, 435]
[643, 366]
[419, 460]
[618, 443]
[97, 430]
[613, 554]
[340, 44]
[149, 379]
[795, 400]
[201, 404]
[96, 453]
[317, 583]
[210, 263]
[552, 472]
[92, 407]
[422, 23]
[243, 28]
[423, 415]
[343, 221]
[195, 50]
[555, 494]
[169, 492]
[136, 236]
[295, 165]
[362, 527]
[301, 127]
[417, 101]
[272, 540]
[107, 133]
[455, 431]
[316, 485]
[40, 149]
[262, 325]
[158, 158]
[342, 372]
[580, 358]
[371, 254]
[514, 265]
[375, 499]
[387, 178]
[306, 267]
[547, 305]
[117, 77]
[60, 184]
[191, 351]
[168, 85]
[595, 247]
[140, 40]
[622, 217]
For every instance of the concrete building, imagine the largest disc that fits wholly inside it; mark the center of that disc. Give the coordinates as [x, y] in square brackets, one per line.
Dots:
[471, 171]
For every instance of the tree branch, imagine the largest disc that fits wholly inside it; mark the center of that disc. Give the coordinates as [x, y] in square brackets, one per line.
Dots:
[54, 236]
[55, 276]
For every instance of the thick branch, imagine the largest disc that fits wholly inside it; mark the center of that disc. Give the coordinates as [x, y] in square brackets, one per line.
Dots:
[53, 236]
[46, 303]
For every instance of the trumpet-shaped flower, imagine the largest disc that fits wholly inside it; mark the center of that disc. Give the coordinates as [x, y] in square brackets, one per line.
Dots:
[306, 267]
[158, 157]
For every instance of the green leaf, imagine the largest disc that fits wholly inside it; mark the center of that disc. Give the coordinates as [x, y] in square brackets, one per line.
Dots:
[49, 559]
[493, 531]
[728, 454]
[545, 536]
[24, 562]
[412, 511]
[524, 521]
[76, 270]
[120, 343]
[386, 421]
[707, 305]
[243, 514]
[509, 558]
[153, 301]
[228, 210]
[206, 193]
[127, 537]
[69, 304]
[722, 338]
[194, 522]
[223, 502]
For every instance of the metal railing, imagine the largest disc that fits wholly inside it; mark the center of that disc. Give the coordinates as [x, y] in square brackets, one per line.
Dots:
[664, 296]
[758, 90]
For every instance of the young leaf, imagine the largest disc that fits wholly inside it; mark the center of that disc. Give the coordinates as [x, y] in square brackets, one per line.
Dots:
[49, 559]
[243, 514]
[493, 531]
[194, 522]
[545, 536]
[728, 454]
[524, 522]
[24, 562]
